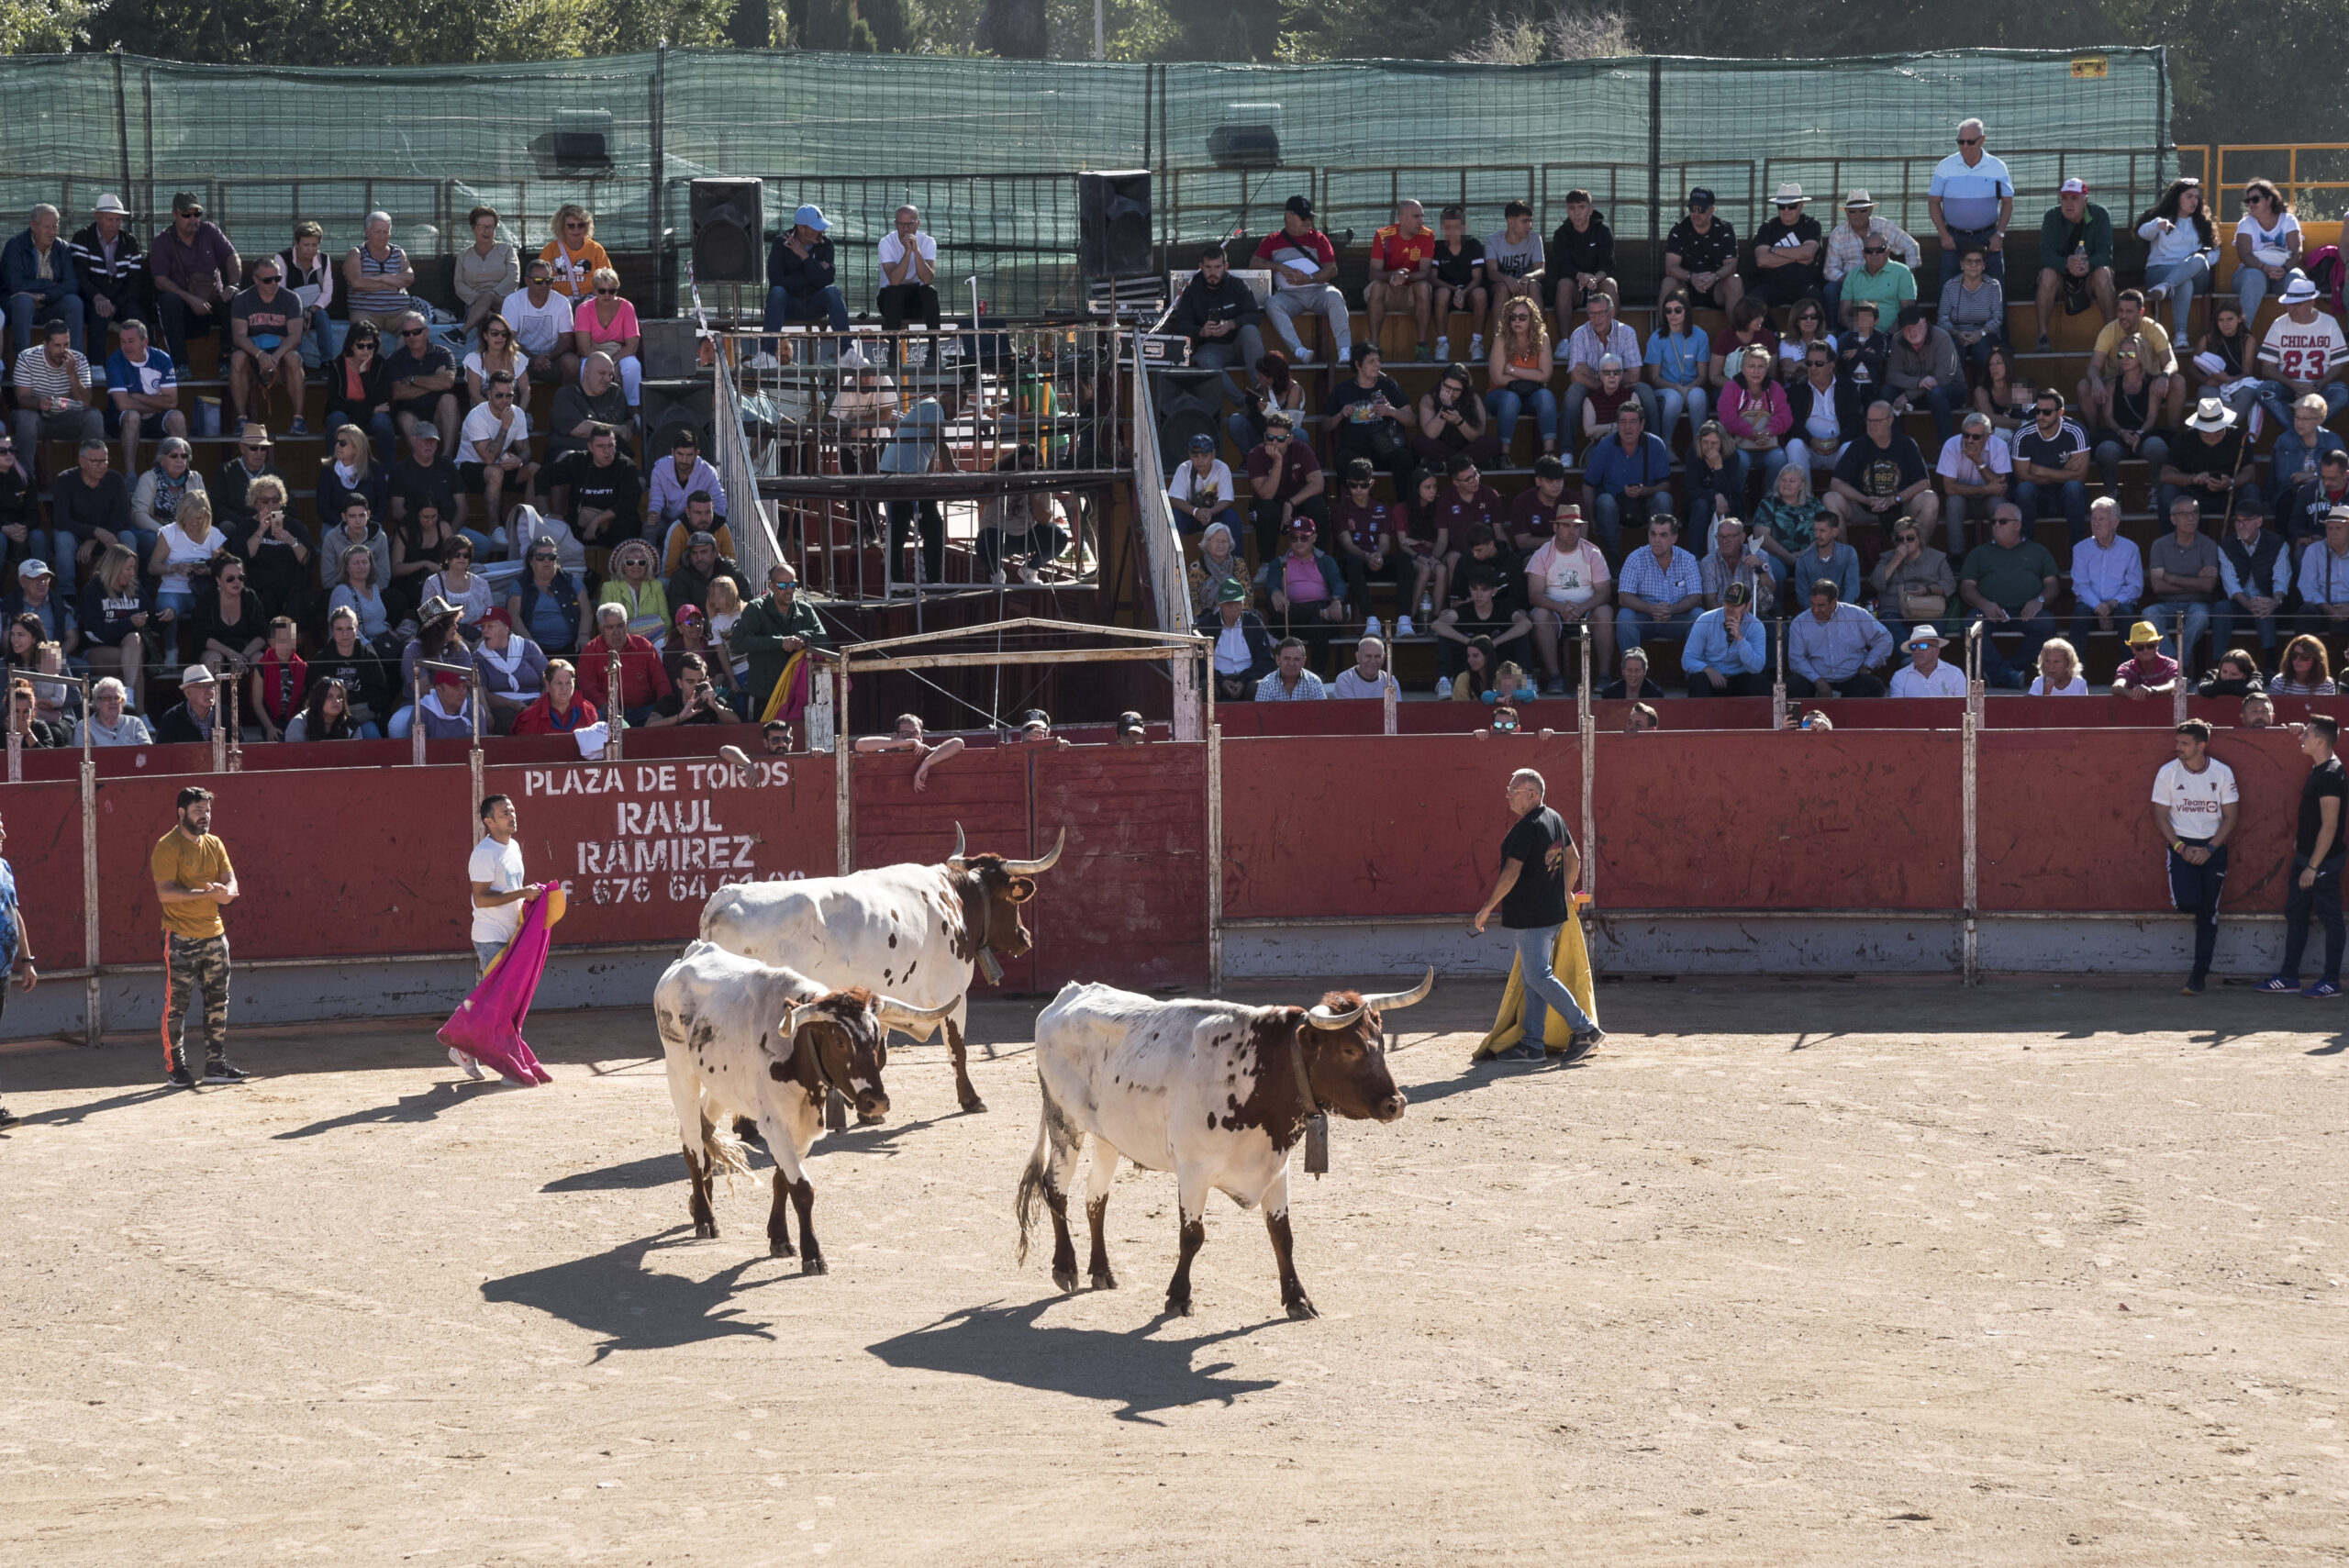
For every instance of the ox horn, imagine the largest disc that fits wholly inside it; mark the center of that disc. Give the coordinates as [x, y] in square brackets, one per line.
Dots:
[1033, 868]
[899, 1015]
[955, 860]
[1386, 1001]
[1322, 1017]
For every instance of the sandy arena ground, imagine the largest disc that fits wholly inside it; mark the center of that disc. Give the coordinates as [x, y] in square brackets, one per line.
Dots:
[2030, 1276]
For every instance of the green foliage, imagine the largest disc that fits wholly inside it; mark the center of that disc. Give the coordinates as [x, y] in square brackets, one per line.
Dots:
[42, 27]
[417, 32]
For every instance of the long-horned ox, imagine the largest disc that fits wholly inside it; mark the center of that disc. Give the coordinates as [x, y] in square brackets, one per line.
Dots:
[1218, 1091]
[748, 1039]
[915, 931]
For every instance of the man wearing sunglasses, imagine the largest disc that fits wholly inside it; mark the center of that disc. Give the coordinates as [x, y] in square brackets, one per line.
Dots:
[1848, 240]
[1972, 198]
[266, 324]
[424, 381]
[194, 268]
[1787, 252]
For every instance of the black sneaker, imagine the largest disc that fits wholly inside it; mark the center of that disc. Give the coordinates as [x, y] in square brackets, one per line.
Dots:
[179, 1077]
[223, 1071]
[1522, 1051]
[8, 1117]
[1584, 1044]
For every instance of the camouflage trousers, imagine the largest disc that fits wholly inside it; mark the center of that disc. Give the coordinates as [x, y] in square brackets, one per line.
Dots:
[194, 970]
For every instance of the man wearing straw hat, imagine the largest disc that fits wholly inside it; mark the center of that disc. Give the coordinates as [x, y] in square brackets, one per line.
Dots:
[1539, 867]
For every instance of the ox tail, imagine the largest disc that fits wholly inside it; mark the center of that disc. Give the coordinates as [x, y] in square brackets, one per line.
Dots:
[724, 1152]
[1032, 1180]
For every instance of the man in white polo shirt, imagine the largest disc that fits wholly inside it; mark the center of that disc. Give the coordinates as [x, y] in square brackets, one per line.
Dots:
[1925, 676]
[1972, 199]
[2195, 804]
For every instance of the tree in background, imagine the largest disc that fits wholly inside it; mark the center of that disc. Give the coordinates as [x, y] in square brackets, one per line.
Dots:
[1014, 30]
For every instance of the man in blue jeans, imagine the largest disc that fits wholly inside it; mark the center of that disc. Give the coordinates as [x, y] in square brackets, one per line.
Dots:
[2317, 857]
[801, 285]
[1539, 864]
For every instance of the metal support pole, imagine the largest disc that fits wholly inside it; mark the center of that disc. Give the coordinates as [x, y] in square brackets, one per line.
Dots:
[1969, 736]
[219, 737]
[16, 752]
[1386, 704]
[615, 719]
[846, 847]
[235, 741]
[1778, 692]
[1586, 729]
[415, 721]
[1215, 856]
[93, 1000]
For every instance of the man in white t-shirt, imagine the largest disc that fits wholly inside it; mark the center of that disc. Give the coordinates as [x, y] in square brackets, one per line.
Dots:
[1366, 676]
[1925, 676]
[1200, 491]
[542, 322]
[1567, 585]
[1976, 472]
[908, 277]
[2195, 802]
[493, 449]
[2303, 352]
[499, 892]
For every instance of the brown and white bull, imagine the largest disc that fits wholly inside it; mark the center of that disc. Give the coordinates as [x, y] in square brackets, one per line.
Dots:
[749, 1041]
[914, 931]
[1214, 1091]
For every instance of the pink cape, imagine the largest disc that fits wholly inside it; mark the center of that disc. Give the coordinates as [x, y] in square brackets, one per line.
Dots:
[487, 1025]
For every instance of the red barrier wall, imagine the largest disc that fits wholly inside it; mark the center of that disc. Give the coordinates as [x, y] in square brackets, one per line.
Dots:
[1848, 820]
[1354, 717]
[44, 823]
[1387, 824]
[2066, 820]
[367, 862]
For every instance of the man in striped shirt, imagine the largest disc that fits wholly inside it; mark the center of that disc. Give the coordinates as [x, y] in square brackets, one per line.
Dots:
[1972, 198]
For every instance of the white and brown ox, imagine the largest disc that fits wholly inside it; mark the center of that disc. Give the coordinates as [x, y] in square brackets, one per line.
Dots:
[746, 1040]
[1217, 1092]
[914, 931]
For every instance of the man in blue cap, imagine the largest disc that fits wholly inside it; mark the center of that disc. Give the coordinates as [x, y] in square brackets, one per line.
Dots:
[800, 285]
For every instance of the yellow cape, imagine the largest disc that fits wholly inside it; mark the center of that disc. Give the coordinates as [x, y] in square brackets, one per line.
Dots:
[1571, 962]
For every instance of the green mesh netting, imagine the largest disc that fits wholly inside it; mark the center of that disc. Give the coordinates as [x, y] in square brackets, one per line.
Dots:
[989, 148]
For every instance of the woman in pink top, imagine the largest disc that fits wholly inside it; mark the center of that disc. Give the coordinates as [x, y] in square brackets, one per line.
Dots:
[609, 322]
[1753, 410]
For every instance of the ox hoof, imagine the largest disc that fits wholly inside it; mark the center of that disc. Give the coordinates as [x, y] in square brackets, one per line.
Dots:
[1178, 1308]
[1065, 1278]
[974, 1104]
[706, 1230]
[812, 1264]
[1104, 1280]
[779, 1249]
[1300, 1309]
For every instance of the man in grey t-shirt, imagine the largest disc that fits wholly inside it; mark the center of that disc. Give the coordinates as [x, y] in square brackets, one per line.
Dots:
[2184, 566]
[1513, 260]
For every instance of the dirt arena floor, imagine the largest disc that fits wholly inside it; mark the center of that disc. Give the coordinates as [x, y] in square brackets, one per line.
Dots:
[1790, 1273]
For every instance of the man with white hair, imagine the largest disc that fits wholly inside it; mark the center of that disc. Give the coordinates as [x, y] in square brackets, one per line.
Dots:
[1366, 676]
[37, 274]
[1972, 199]
[1539, 868]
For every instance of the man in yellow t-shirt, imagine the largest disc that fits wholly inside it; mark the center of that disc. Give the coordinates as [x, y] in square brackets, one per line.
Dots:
[194, 881]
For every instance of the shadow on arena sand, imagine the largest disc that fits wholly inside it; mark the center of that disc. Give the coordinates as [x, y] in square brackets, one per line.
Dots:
[633, 1307]
[1133, 1371]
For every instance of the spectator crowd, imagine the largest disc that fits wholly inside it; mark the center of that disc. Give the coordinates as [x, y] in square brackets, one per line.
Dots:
[1815, 454]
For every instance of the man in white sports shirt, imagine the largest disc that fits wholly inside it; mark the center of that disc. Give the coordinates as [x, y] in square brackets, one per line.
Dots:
[499, 892]
[2195, 804]
[1567, 583]
[2304, 351]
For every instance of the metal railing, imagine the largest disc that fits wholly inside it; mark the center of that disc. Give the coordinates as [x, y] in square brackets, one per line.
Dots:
[2307, 171]
[1019, 412]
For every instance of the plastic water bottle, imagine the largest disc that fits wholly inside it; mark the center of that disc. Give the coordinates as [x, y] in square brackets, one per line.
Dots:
[1427, 606]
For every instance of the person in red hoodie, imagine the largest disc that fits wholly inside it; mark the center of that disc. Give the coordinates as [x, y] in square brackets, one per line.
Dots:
[560, 709]
[279, 682]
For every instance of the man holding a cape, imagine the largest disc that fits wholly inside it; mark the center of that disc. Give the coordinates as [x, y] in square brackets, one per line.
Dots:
[510, 922]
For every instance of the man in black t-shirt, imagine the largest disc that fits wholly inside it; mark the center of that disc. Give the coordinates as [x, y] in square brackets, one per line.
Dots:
[1487, 614]
[2317, 857]
[1701, 256]
[1370, 416]
[265, 328]
[425, 474]
[424, 381]
[1539, 866]
[600, 491]
[1789, 253]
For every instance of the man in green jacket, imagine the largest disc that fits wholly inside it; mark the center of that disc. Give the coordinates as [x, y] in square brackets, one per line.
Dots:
[2074, 258]
[773, 627]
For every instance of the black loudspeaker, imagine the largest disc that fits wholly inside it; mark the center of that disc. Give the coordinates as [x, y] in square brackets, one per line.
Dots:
[1113, 210]
[1184, 415]
[664, 413]
[728, 225]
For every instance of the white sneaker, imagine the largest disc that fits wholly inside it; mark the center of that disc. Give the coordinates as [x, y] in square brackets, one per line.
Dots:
[1443, 688]
[472, 1068]
[1027, 575]
[1304, 356]
[1403, 626]
[2157, 294]
[1476, 347]
[762, 361]
[1443, 349]
[1370, 626]
[995, 577]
